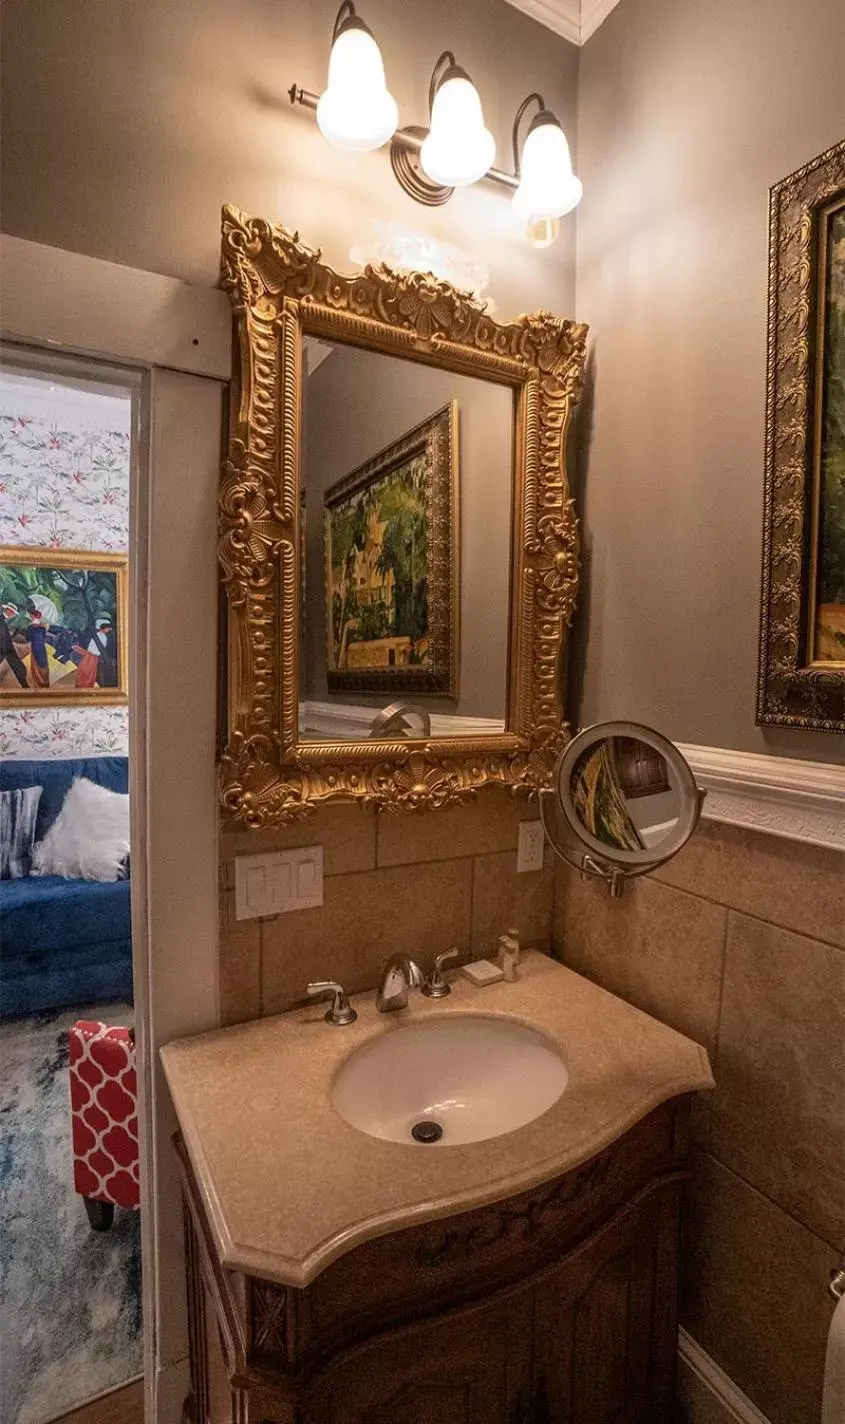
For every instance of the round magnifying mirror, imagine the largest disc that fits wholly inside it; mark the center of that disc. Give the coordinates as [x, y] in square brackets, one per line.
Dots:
[626, 796]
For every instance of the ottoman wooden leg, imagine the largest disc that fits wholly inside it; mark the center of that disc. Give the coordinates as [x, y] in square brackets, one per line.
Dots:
[100, 1214]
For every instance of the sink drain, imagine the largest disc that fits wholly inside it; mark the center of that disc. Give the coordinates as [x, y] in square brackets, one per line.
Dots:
[426, 1131]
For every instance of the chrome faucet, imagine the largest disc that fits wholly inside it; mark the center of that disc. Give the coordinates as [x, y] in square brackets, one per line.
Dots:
[400, 974]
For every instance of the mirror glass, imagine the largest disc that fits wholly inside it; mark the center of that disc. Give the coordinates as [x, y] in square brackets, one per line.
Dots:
[406, 518]
[627, 794]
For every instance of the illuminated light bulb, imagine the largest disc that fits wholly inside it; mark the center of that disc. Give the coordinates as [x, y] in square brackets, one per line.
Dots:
[548, 188]
[458, 149]
[356, 112]
[542, 232]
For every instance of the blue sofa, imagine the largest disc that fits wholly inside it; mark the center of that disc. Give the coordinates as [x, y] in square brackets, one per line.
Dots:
[63, 943]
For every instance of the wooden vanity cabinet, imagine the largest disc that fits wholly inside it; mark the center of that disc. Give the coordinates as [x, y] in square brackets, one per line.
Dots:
[556, 1306]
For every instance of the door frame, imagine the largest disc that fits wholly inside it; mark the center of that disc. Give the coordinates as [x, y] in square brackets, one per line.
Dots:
[170, 343]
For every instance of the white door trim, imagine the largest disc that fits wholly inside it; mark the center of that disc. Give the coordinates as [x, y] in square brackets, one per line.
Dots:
[75, 303]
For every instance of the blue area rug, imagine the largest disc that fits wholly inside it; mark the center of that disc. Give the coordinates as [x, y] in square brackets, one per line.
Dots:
[70, 1298]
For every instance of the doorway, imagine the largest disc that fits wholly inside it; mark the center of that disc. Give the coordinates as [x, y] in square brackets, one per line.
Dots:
[70, 1297]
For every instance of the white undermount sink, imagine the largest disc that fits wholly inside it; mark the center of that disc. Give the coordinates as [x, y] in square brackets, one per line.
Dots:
[470, 1076]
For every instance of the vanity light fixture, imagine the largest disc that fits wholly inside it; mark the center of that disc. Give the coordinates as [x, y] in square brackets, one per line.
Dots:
[458, 149]
[548, 189]
[356, 112]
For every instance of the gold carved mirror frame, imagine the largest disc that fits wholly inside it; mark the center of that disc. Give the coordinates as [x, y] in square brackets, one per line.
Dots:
[281, 291]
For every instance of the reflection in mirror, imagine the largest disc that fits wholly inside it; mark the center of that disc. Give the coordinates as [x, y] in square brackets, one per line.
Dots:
[623, 802]
[407, 495]
[625, 793]
[401, 719]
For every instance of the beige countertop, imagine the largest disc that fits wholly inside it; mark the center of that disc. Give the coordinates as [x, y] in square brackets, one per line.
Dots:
[289, 1186]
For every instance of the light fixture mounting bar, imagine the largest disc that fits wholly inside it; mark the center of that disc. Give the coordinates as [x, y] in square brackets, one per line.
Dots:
[408, 138]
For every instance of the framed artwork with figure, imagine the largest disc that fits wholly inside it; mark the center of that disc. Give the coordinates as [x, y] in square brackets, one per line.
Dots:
[391, 557]
[801, 680]
[63, 628]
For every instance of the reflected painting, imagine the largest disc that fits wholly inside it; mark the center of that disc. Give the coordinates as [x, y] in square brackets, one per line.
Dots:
[829, 630]
[62, 627]
[391, 575]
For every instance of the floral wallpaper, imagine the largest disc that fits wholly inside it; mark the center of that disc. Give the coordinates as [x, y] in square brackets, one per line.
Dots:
[64, 484]
[35, 733]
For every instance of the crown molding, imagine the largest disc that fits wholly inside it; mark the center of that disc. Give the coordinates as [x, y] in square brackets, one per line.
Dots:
[798, 800]
[562, 17]
[575, 20]
[593, 14]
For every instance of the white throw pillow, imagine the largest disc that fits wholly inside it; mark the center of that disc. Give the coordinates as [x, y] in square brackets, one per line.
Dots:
[89, 839]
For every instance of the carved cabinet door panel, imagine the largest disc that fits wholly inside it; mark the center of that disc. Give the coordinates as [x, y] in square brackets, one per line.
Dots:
[468, 1367]
[605, 1321]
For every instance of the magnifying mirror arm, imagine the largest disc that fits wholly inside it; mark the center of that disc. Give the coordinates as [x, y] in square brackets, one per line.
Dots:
[585, 864]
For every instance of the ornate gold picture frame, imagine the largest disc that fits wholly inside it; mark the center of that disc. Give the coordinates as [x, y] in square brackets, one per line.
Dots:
[64, 622]
[281, 291]
[801, 683]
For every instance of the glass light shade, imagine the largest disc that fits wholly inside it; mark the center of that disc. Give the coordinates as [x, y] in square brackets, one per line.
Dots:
[548, 188]
[458, 149]
[356, 112]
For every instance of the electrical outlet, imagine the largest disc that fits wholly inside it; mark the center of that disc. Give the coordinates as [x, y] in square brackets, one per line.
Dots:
[531, 846]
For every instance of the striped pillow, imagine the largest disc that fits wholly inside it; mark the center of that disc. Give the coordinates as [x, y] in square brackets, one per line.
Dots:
[18, 810]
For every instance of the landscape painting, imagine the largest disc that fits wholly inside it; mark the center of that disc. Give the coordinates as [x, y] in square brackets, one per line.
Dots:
[829, 631]
[62, 627]
[391, 566]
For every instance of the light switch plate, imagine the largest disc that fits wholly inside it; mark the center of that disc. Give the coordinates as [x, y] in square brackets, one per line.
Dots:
[532, 843]
[278, 881]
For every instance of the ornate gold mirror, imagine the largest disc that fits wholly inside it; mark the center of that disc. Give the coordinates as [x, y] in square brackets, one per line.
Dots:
[398, 546]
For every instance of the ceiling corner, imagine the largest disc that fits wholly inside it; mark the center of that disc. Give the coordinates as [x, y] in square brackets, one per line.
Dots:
[574, 20]
[562, 17]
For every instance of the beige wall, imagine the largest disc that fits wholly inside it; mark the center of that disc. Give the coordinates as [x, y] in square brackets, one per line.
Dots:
[740, 943]
[688, 112]
[358, 403]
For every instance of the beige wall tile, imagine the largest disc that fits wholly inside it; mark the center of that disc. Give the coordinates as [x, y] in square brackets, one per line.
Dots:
[779, 1108]
[364, 919]
[346, 833]
[657, 947]
[798, 886]
[240, 965]
[502, 899]
[489, 824]
[755, 1294]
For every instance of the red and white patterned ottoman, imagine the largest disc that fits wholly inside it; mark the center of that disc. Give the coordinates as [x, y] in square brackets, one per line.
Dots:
[104, 1119]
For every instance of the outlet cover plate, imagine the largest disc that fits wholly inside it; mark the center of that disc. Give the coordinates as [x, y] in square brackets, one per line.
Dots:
[532, 847]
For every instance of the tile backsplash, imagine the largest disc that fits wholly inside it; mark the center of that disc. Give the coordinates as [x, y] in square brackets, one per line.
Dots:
[415, 883]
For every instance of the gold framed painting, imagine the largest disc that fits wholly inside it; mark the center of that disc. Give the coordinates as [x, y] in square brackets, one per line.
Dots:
[802, 632]
[391, 551]
[63, 628]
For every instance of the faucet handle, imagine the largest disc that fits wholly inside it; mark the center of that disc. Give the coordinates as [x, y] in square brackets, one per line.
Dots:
[341, 1011]
[435, 986]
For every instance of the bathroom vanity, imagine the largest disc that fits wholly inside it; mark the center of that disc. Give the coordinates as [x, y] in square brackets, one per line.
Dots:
[338, 1277]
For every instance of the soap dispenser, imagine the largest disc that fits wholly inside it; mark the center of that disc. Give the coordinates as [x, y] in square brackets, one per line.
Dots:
[509, 954]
